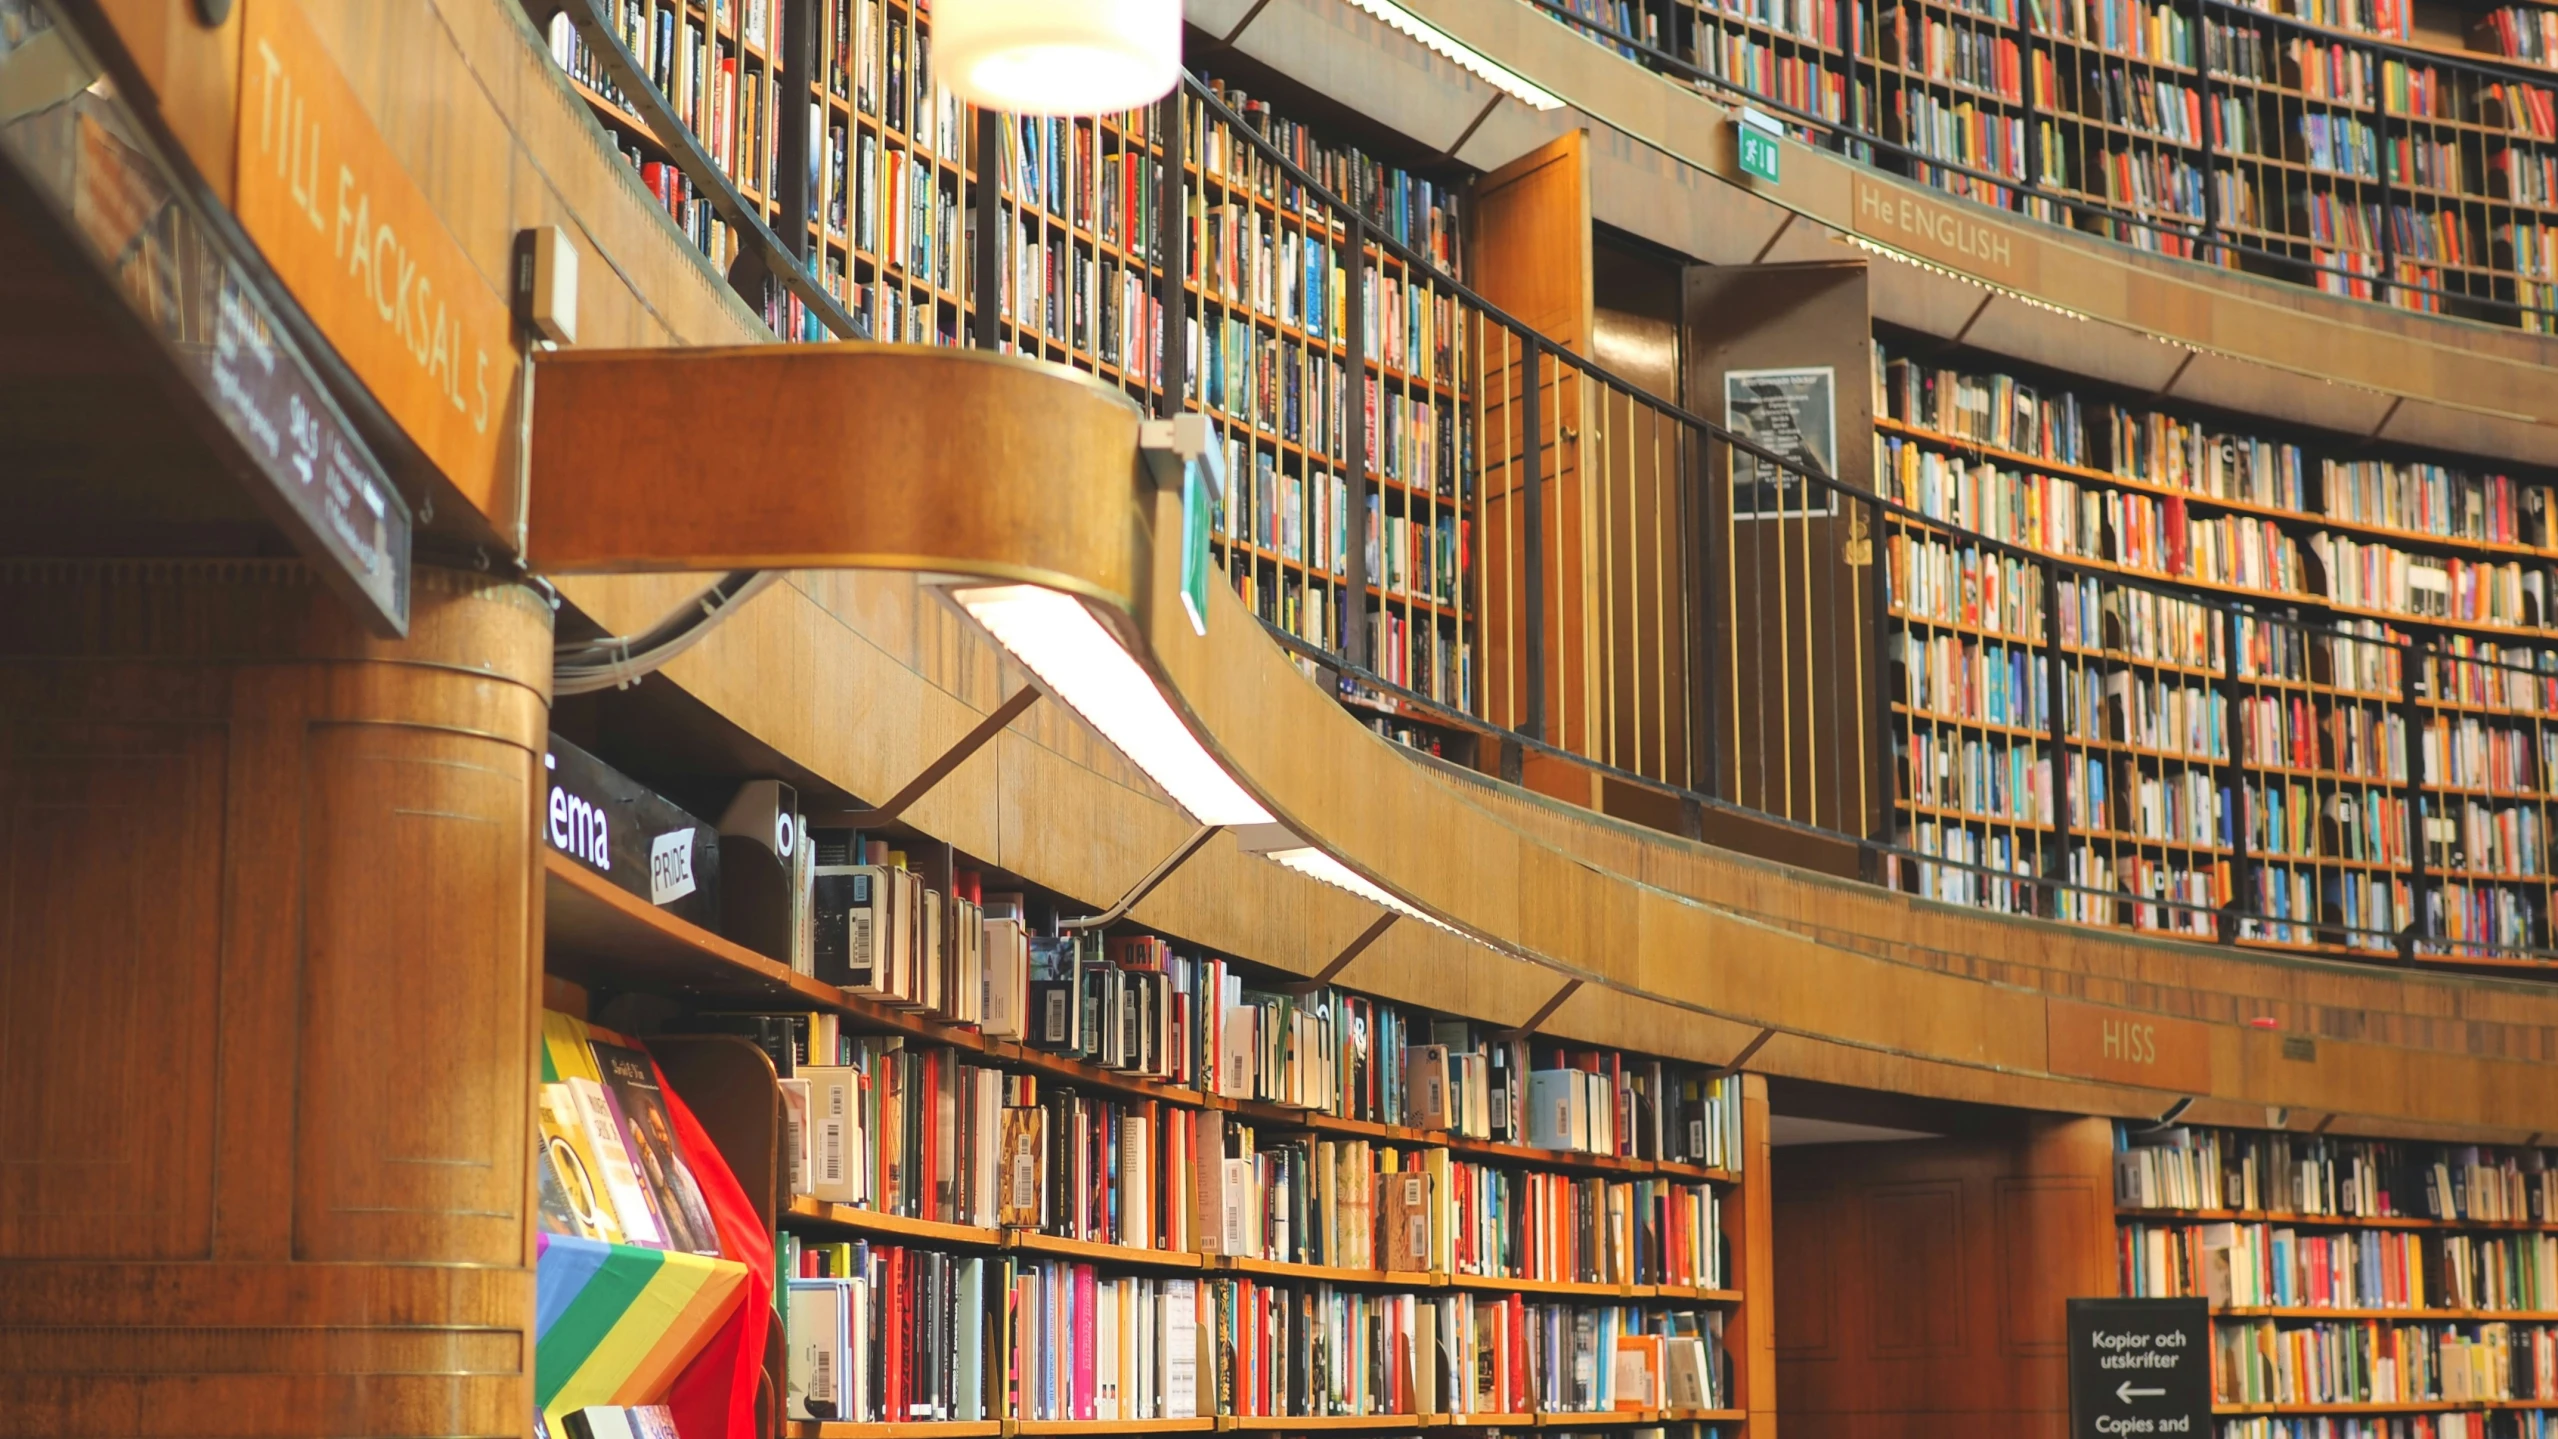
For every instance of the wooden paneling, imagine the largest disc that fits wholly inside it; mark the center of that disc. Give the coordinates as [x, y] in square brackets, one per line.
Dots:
[111, 852]
[886, 456]
[1922, 1283]
[445, 1183]
[266, 1004]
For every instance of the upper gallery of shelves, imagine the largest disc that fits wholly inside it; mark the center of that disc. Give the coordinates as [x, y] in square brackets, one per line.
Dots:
[2371, 148]
[1320, 290]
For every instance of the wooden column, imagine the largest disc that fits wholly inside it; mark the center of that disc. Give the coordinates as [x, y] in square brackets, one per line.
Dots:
[268, 987]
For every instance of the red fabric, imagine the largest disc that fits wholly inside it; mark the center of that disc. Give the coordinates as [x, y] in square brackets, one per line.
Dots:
[714, 1398]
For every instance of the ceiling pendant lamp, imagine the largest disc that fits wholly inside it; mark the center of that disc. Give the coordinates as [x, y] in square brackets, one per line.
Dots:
[1058, 57]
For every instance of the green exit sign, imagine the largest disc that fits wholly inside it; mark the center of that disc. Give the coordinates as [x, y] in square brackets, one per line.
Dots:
[1758, 135]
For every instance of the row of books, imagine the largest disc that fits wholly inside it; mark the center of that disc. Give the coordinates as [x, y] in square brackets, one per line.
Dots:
[1138, 1005]
[1961, 881]
[1958, 677]
[883, 1333]
[2457, 1424]
[1423, 215]
[2305, 1175]
[878, 58]
[1930, 577]
[2491, 916]
[2381, 1362]
[2305, 819]
[1418, 655]
[2233, 1263]
[2367, 575]
[2524, 32]
[1988, 778]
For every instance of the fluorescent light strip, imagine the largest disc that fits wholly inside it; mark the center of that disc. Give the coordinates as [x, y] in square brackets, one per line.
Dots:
[1466, 57]
[1057, 639]
[1315, 864]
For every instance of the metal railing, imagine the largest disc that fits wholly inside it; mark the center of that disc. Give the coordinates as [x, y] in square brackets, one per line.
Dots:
[1606, 594]
[2281, 244]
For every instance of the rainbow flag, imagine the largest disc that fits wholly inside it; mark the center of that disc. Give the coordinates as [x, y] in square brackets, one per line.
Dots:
[614, 1323]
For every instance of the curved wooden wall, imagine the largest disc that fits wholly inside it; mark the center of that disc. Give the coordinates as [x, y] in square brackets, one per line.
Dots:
[267, 999]
[855, 682]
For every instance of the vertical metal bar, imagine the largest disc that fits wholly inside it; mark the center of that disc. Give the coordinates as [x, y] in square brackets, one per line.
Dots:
[798, 84]
[2388, 183]
[1172, 256]
[986, 277]
[1711, 695]
[1532, 451]
[2411, 746]
[2211, 116]
[1354, 421]
[2233, 734]
[2057, 685]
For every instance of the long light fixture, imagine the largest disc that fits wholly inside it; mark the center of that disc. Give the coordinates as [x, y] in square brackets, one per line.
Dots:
[1280, 845]
[1059, 57]
[1474, 62]
[1079, 662]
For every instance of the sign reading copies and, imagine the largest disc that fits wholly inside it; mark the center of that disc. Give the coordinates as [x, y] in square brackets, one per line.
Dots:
[1790, 413]
[2139, 1367]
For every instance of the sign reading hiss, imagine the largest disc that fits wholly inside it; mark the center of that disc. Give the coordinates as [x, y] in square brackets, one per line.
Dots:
[2139, 1367]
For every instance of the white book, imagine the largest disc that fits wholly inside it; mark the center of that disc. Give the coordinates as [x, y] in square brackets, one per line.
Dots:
[833, 1141]
[797, 1165]
[1181, 1349]
[1105, 1350]
[817, 1312]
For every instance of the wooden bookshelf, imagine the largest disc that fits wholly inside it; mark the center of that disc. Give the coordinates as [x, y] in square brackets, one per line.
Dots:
[609, 942]
[1993, 782]
[2277, 1159]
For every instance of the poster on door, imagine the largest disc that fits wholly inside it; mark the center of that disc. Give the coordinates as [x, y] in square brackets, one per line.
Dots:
[1791, 413]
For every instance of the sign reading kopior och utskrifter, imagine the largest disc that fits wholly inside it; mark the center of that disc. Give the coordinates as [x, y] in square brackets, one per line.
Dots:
[2139, 1368]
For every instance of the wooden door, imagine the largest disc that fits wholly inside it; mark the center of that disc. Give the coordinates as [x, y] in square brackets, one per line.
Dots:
[1531, 257]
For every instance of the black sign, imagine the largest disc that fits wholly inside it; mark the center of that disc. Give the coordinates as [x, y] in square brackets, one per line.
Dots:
[2140, 1368]
[84, 150]
[631, 835]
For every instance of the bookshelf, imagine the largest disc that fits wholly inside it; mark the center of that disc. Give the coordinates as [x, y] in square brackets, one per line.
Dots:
[1349, 427]
[2376, 150]
[2269, 664]
[2409, 1285]
[1511, 1253]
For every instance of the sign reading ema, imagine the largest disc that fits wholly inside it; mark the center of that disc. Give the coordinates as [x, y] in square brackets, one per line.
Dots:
[2139, 1368]
[366, 253]
[2127, 1046]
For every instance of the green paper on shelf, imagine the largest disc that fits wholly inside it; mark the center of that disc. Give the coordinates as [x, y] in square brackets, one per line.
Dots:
[615, 1323]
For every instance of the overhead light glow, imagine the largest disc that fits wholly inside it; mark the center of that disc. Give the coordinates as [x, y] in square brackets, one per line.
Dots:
[1057, 639]
[1059, 57]
[1281, 845]
[1466, 57]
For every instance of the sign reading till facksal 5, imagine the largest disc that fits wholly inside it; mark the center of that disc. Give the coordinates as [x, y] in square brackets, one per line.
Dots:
[366, 252]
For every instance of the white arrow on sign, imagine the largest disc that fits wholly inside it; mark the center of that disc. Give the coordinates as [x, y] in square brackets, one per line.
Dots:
[2127, 1393]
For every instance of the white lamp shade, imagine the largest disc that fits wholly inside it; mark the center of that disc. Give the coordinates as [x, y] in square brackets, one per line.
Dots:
[1058, 57]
